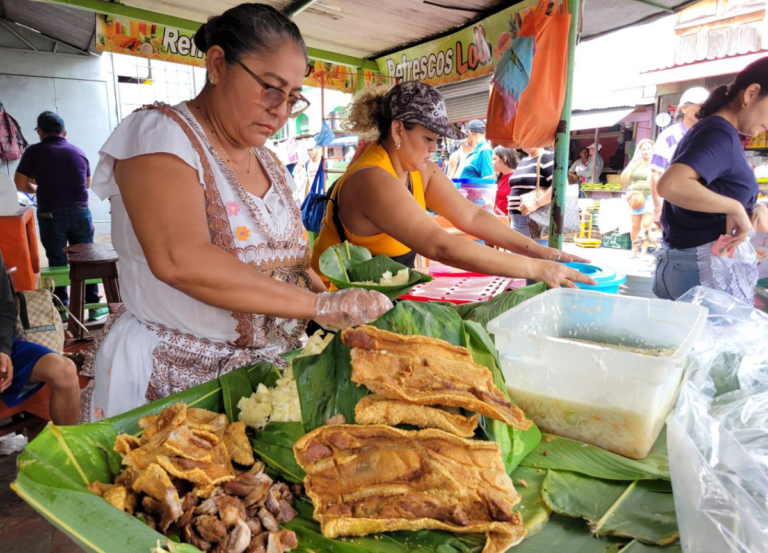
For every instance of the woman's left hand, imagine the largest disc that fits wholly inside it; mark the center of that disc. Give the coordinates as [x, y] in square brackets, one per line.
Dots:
[760, 218]
[527, 209]
[551, 254]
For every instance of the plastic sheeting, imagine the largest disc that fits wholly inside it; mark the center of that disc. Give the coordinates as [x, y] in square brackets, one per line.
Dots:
[718, 432]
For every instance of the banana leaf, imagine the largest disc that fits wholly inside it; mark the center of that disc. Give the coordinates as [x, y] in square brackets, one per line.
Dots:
[372, 271]
[613, 508]
[274, 445]
[337, 260]
[637, 547]
[483, 312]
[235, 385]
[566, 454]
[515, 444]
[326, 389]
[534, 510]
[568, 535]
[347, 266]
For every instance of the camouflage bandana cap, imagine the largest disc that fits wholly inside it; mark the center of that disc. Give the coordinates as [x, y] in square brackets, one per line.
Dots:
[416, 102]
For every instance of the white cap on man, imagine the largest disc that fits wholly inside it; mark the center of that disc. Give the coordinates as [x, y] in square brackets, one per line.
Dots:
[695, 95]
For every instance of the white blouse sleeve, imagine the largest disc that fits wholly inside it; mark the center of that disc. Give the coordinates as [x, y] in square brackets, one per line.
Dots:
[143, 132]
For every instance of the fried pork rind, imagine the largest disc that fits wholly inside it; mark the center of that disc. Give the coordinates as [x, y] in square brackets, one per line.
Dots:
[154, 482]
[203, 491]
[98, 488]
[237, 444]
[148, 425]
[168, 421]
[427, 371]
[182, 442]
[377, 409]
[202, 474]
[367, 479]
[139, 459]
[121, 498]
[207, 421]
[125, 443]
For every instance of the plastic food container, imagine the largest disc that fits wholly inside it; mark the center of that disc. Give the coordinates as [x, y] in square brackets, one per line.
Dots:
[608, 281]
[481, 192]
[612, 398]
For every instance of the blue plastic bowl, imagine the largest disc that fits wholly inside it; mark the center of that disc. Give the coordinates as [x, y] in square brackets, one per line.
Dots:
[608, 281]
[475, 183]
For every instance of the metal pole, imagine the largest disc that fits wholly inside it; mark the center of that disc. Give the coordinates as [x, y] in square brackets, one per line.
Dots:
[594, 174]
[563, 137]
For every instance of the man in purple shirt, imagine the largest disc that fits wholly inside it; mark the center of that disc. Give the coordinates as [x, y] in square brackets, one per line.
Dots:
[59, 173]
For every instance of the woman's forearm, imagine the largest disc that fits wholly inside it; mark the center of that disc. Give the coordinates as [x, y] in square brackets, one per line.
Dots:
[683, 189]
[468, 255]
[490, 229]
[217, 278]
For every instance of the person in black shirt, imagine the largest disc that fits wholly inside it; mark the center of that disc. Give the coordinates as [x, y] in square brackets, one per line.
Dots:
[523, 181]
[25, 367]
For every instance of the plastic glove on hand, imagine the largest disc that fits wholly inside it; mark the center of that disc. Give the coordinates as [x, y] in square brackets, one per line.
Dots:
[350, 307]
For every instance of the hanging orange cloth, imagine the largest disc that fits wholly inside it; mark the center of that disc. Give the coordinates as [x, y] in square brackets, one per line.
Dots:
[541, 103]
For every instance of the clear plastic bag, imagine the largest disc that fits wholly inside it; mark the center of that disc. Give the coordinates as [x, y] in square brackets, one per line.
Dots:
[718, 432]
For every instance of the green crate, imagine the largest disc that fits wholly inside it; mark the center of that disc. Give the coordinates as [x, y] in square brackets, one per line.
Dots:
[617, 241]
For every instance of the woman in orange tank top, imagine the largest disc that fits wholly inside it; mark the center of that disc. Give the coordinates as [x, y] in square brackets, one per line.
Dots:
[380, 202]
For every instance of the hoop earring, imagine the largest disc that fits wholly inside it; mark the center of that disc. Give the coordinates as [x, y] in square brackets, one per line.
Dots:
[744, 105]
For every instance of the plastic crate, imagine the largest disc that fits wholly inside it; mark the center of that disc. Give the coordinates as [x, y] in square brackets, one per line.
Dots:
[459, 289]
[617, 241]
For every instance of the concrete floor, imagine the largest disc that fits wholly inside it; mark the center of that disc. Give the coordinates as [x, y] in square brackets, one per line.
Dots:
[22, 530]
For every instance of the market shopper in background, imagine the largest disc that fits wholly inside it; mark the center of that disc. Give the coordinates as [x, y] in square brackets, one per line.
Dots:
[382, 198]
[59, 173]
[25, 367]
[479, 164]
[315, 154]
[579, 169]
[504, 164]
[666, 144]
[595, 163]
[711, 193]
[638, 174]
[458, 159]
[537, 167]
[214, 269]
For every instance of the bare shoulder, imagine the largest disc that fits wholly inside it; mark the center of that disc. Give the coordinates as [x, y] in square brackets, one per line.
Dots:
[368, 180]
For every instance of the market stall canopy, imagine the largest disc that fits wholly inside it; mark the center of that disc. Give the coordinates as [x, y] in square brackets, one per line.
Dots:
[372, 28]
[46, 28]
[599, 118]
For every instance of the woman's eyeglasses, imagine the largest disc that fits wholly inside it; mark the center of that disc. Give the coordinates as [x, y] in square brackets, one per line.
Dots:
[273, 96]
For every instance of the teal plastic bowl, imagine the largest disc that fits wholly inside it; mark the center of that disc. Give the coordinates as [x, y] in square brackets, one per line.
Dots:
[608, 281]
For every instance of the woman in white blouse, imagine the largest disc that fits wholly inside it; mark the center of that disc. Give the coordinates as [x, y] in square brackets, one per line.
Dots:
[214, 267]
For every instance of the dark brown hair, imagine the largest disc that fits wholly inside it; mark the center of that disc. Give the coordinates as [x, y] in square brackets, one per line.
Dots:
[755, 73]
[248, 29]
[509, 157]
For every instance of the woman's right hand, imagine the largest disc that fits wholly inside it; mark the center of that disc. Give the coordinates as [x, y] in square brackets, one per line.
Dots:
[350, 307]
[737, 226]
[556, 275]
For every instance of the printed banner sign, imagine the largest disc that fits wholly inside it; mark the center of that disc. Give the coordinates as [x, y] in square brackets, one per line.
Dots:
[146, 40]
[466, 54]
[158, 42]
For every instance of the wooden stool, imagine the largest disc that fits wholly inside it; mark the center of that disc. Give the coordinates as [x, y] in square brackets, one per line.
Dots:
[86, 262]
